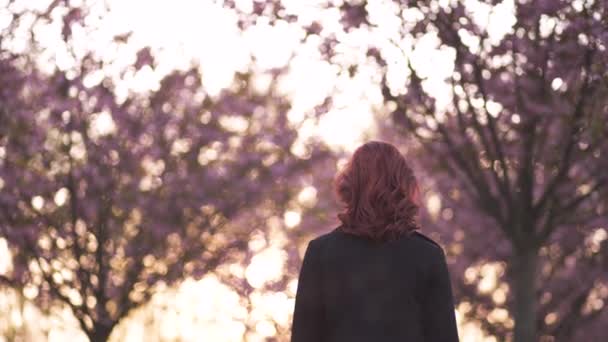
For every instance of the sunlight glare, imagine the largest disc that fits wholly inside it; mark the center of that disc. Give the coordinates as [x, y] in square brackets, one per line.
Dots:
[265, 266]
[308, 196]
[6, 264]
[37, 202]
[292, 218]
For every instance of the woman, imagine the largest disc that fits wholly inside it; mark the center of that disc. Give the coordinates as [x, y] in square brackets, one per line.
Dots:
[374, 278]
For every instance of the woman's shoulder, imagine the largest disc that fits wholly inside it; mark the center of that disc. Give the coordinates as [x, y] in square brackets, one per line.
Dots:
[329, 235]
[424, 238]
[432, 251]
[335, 234]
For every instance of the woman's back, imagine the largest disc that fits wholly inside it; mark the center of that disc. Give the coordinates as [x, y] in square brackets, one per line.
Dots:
[374, 278]
[354, 289]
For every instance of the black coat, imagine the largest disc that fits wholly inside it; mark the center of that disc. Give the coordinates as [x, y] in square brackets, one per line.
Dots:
[351, 289]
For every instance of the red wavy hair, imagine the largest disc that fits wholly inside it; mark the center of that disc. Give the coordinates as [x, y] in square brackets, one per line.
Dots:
[379, 191]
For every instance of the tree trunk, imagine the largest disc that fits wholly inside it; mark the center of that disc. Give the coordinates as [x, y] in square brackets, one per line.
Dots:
[100, 333]
[525, 265]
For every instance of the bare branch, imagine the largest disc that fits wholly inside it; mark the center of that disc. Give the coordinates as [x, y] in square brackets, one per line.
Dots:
[571, 135]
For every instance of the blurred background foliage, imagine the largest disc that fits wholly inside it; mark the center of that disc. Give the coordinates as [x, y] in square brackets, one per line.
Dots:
[164, 163]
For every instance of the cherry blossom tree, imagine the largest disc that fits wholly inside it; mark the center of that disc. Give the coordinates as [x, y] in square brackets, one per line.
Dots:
[518, 153]
[511, 137]
[107, 199]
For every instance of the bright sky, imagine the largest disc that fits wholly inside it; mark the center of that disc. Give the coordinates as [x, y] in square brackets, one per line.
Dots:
[182, 30]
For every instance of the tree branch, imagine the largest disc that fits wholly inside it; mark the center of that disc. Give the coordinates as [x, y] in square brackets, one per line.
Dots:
[571, 136]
